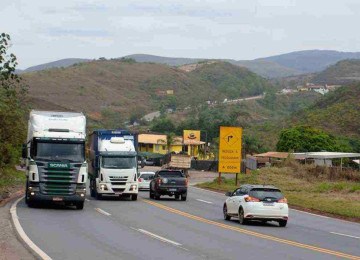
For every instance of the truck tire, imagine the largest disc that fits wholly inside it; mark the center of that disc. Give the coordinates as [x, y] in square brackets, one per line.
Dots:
[151, 195]
[32, 204]
[79, 205]
[26, 193]
[92, 188]
[183, 197]
[177, 197]
[156, 196]
[134, 197]
[98, 196]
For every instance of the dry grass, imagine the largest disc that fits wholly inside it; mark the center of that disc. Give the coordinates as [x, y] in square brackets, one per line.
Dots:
[308, 187]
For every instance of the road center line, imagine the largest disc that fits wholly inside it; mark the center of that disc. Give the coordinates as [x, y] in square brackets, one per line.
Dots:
[208, 202]
[340, 234]
[102, 212]
[163, 239]
[252, 233]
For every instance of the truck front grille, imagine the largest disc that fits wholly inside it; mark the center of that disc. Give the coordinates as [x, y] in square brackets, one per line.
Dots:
[58, 181]
[118, 180]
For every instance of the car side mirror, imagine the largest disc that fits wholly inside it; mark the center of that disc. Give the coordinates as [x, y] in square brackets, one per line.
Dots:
[23, 151]
[228, 194]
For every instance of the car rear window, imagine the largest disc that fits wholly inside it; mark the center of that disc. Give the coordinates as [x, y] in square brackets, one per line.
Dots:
[174, 174]
[147, 176]
[261, 193]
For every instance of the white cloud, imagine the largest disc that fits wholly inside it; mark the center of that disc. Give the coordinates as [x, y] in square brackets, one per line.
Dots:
[239, 29]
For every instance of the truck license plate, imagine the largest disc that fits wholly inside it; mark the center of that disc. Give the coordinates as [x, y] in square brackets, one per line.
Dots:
[172, 189]
[57, 199]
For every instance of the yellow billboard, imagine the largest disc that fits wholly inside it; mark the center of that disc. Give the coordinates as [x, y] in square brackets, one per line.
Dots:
[230, 149]
[191, 135]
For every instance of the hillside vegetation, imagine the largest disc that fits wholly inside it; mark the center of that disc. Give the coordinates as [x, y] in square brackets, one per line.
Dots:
[343, 72]
[338, 113]
[125, 86]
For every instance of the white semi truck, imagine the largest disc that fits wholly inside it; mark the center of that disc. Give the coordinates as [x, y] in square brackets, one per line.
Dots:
[113, 164]
[56, 169]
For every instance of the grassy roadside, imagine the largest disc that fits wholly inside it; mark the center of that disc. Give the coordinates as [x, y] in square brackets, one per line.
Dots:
[11, 180]
[339, 197]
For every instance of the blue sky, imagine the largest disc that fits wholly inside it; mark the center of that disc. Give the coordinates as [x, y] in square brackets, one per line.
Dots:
[44, 31]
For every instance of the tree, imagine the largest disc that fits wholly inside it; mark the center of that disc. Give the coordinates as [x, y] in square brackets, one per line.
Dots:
[306, 139]
[12, 110]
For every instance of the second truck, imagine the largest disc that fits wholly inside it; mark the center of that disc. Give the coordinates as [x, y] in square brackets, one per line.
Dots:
[113, 164]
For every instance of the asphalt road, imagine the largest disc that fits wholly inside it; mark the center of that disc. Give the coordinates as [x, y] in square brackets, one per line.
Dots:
[168, 229]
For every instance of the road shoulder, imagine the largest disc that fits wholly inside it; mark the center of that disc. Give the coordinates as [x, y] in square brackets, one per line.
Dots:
[10, 246]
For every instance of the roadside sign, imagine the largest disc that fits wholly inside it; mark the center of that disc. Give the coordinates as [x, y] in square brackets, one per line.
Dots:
[230, 149]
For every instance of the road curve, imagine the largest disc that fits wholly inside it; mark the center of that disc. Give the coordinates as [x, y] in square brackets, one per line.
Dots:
[168, 229]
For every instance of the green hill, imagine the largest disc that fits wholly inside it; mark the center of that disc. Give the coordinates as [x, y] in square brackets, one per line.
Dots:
[126, 87]
[343, 72]
[337, 113]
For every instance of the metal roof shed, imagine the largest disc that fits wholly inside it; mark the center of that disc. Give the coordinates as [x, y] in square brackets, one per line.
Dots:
[330, 155]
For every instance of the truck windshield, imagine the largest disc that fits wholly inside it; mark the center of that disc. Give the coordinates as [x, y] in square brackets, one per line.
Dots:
[123, 162]
[59, 151]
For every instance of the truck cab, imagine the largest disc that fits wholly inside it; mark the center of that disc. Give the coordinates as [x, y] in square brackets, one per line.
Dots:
[113, 164]
[56, 169]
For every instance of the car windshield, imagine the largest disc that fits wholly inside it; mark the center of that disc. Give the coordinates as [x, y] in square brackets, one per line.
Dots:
[147, 176]
[261, 194]
[123, 162]
[173, 174]
[59, 151]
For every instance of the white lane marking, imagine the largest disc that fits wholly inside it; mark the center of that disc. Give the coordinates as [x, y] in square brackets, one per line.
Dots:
[312, 214]
[163, 239]
[22, 234]
[87, 199]
[344, 235]
[216, 192]
[102, 212]
[208, 202]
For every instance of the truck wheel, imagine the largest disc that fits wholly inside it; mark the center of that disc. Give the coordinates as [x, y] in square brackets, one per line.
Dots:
[156, 196]
[32, 204]
[134, 197]
[92, 188]
[151, 195]
[177, 197]
[79, 205]
[98, 196]
[26, 193]
[183, 197]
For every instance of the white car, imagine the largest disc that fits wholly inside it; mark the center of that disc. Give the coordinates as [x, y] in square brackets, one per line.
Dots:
[145, 179]
[256, 202]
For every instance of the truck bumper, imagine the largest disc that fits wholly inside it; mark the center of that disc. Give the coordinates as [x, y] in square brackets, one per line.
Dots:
[105, 188]
[35, 196]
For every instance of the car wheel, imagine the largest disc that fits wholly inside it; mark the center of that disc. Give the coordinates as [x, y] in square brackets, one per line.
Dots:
[183, 197]
[134, 197]
[282, 223]
[242, 219]
[79, 205]
[226, 216]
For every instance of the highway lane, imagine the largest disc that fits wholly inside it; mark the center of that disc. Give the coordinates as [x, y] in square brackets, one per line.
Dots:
[114, 229]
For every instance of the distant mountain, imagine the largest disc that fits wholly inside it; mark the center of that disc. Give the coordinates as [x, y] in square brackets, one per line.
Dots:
[55, 64]
[264, 68]
[343, 72]
[126, 87]
[312, 60]
[163, 60]
[284, 65]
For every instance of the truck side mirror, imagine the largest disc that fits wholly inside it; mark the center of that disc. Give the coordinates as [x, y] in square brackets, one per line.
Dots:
[24, 151]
